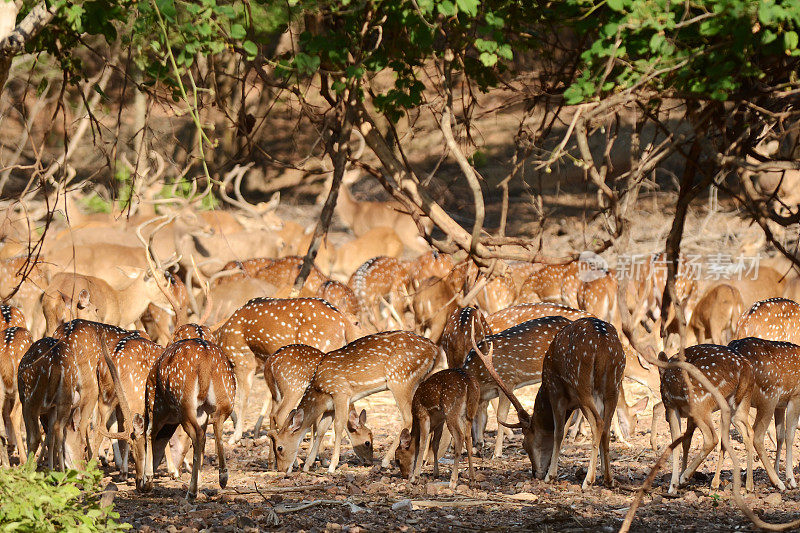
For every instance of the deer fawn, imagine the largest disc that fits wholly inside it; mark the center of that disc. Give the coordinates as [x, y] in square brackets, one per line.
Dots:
[15, 343]
[449, 396]
[395, 360]
[519, 353]
[776, 373]
[191, 384]
[776, 319]
[732, 374]
[288, 373]
[263, 325]
[582, 369]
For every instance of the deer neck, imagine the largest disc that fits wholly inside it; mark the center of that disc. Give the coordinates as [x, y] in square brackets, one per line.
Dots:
[131, 301]
[543, 411]
[346, 206]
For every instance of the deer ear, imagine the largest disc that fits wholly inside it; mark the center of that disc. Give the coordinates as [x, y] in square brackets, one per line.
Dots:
[640, 406]
[362, 418]
[405, 439]
[296, 417]
[352, 418]
[83, 299]
[662, 356]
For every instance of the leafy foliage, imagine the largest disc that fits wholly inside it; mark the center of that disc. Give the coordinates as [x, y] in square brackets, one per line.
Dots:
[54, 501]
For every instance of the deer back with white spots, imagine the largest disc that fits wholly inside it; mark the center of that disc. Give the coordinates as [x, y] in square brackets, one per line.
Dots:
[382, 286]
[776, 319]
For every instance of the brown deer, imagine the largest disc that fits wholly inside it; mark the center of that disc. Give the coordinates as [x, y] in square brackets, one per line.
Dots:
[397, 361]
[517, 314]
[191, 385]
[193, 331]
[455, 340]
[776, 392]
[432, 264]
[362, 216]
[776, 319]
[498, 293]
[282, 273]
[263, 325]
[449, 396]
[567, 384]
[433, 301]
[14, 343]
[716, 314]
[519, 354]
[288, 373]
[349, 256]
[732, 374]
[341, 297]
[381, 280]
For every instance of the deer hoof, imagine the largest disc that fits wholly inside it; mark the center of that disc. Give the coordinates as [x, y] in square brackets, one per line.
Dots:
[223, 478]
[191, 496]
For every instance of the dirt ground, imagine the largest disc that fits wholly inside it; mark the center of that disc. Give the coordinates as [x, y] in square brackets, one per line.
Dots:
[503, 498]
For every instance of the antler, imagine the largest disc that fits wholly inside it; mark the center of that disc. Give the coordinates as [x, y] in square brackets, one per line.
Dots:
[205, 286]
[487, 361]
[152, 261]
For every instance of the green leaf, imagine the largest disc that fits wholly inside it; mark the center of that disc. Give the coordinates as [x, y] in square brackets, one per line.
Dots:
[251, 49]
[238, 32]
[488, 60]
[616, 5]
[446, 8]
[790, 40]
[470, 7]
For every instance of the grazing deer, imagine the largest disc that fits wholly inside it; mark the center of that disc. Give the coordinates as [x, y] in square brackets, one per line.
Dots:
[449, 396]
[776, 319]
[381, 280]
[776, 392]
[14, 343]
[191, 384]
[455, 339]
[519, 354]
[729, 372]
[11, 317]
[582, 369]
[288, 373]
[716, 314]
[264, 325]
[341, 297]
[395, 361]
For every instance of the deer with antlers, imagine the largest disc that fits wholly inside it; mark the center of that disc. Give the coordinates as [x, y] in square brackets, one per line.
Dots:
[14, 343]
[582, 369]
[288, 373]
[191, 384]
[684, 397]
[397, 361]
[449, 396]
[264, 325]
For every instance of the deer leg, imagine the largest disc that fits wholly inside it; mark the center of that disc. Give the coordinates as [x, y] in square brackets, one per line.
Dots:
[198, 436]
[763, 418]
[605, 443]
[592, 416]
[709, 443]
[792, 414]
[458, 443]
[687, 443]
[244, 382]
[560, 421]
[479, 424]
[780, 436]
[740, 419]
[265, 409]
[675, 431]
[658, 410]
[439, 428]
[725, 431]
[16, 423]
[341, 408]
[223, 465]
[424, 422]
[503, 405]
[468, 433]
[322, 428]
[402, 398]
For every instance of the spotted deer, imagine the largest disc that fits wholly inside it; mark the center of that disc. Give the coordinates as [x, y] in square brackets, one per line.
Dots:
[582, 369]
[14, 343]
[432, 264]
[455, 339]
[433, 301]
[449, 396]
[381, 281]
[191, 384]
[193, 331]
[732, 375]
[283, 272]
[776, 392]
[498, 293]
[397, 361]
[544, 285]
[776, 319]
[263, 325]
[517, 314]
[288, 373]
[519, 354]
[341, 297]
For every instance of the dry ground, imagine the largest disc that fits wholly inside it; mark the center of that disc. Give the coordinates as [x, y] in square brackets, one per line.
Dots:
[361, 498]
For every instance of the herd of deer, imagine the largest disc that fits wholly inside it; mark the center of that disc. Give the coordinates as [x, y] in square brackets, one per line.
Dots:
[432, 330]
